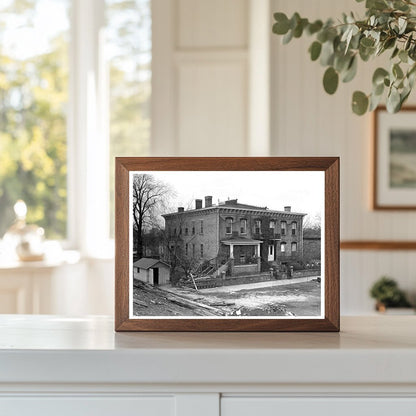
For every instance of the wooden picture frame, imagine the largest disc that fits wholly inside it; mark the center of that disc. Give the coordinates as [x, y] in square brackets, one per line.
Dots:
[391, 178]
[128, 166]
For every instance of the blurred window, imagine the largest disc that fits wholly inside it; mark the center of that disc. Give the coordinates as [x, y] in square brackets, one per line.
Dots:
[34, 69]
[38, 123]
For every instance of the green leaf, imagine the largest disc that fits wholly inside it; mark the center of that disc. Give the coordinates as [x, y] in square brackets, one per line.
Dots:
[367, 42]
[281, 27]
[402, 24]
[397, 71]
[374, 101]
[378, 89]
[395, 52]
[315, 50]
[359, 103]
[327, 53]
[403, 56]
[376, 4]
[298, 30]
[330, 80]
[341, 61]
[288, 37]
[389, 43]
[314, 27]
[393, 101]
[408, 42]
[379, 75]
[351, 71]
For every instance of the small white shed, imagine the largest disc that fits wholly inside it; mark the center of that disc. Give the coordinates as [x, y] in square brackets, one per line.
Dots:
[153, 271]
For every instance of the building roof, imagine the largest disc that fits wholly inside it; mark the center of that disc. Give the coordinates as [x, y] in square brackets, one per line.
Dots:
[226, 207]
[147, 263]
[242, 241]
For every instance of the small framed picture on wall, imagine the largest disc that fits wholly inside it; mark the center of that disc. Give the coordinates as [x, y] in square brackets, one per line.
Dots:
[394, 177]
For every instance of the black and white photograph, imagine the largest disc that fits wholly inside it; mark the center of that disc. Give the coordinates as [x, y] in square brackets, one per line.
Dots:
[218, 244]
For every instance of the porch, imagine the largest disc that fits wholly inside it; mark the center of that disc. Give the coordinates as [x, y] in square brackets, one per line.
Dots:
[243, 255]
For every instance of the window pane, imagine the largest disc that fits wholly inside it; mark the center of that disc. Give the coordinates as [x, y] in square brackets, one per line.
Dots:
[33, 101]
[129, 51]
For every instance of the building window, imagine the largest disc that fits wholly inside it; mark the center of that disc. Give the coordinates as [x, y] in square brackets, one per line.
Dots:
[180, 230]
[228, 226]
[294, 227]
[294, 247]
[243, 226]
[186, 231]
[242, 258]
[201, 230]
[272, 225]
[271, 250]
[283, 226]
[202, 251]
[282, 247]
[186, 249]
[174, 231]
[193, 227]
[257, 226]
[193, 250]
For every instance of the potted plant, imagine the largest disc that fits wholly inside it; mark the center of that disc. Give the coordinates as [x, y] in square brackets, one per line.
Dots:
[387, 294]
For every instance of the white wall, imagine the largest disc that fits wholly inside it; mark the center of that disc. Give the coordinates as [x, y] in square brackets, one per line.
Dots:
[308, 122]
[200, 77]
[213, 78]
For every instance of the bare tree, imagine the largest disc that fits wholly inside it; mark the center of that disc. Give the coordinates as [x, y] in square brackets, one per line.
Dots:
[149, 201]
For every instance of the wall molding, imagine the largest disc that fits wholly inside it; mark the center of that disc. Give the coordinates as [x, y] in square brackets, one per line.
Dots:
[377, 245]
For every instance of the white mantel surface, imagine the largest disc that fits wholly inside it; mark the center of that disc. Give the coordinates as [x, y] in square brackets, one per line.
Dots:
[373, 350]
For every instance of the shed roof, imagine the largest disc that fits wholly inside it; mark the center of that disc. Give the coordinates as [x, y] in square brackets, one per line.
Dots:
[147, 263]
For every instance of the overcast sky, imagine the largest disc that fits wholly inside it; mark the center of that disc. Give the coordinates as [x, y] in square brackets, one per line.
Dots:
[303, 191]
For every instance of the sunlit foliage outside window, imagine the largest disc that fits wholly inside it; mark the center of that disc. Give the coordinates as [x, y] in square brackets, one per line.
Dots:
[33, 102]
[34, 73]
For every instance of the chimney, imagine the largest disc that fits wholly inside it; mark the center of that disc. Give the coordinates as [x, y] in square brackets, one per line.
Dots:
[198, 203]
[231, 202]
[181, 209]
[208, 201]
[288, 208]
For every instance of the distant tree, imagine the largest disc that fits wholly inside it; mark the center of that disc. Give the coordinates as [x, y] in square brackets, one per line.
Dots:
[33, 102]
[150, 197]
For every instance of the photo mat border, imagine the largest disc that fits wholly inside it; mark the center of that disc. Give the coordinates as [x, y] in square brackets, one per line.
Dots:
[376, 204]
[125, 165]
[131, 315]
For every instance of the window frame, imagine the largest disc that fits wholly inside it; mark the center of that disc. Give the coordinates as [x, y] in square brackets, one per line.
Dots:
[243, 221]
[294, 227]
[257, 229]
[231, 225]
[283, 227]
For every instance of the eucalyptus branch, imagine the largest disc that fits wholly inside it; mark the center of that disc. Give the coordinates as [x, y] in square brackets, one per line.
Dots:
[389, 26]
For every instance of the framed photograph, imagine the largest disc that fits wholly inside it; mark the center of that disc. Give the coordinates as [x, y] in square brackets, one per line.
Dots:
[394, 159]
[227, 244]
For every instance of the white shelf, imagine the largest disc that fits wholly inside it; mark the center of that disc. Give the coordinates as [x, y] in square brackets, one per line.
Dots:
[47, 349]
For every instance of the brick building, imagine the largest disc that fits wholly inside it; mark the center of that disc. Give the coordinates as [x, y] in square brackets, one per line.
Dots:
[238, 237]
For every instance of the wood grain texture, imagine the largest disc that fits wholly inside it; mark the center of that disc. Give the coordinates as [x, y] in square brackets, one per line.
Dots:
[330, 165]
[378, 245]
[376, 204]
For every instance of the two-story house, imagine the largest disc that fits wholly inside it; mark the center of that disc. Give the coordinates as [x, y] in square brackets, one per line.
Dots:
[247, 238]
